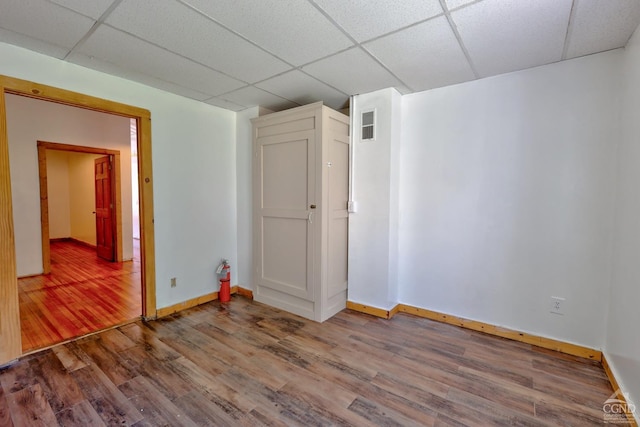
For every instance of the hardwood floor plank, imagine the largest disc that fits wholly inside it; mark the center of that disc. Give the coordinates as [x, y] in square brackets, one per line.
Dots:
[60, 390]
[141, 334]
[244, 363]
[29, 407]
[69, 360]
[82, 294]
[5, 413]
[114, 366]
[81, 414]
[156, 408]
[113, 407]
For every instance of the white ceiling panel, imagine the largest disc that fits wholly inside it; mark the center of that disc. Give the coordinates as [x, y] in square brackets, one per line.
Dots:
[145, 79]
[30, 43]
[43, 20]
[91, 8]
[501, 35]
[303, 89]
[599, 25]
[184, 31]
[129, 52]
[280, 53]
[364, 20]
[293, 30]
[452, 4]
[352, 72]
[247, 96]
[424, 56]
[223, 103]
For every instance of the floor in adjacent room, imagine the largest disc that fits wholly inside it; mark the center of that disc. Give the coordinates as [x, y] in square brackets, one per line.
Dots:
[245, 363]
[82, 294]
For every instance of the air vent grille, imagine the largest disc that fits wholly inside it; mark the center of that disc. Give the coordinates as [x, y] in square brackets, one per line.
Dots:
[368, 125]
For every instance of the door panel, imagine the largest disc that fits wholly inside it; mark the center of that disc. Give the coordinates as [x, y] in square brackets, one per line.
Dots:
[286, 189]
[105, 242]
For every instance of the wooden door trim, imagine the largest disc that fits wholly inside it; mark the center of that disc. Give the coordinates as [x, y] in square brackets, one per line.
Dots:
[43, 146]
[11, 347]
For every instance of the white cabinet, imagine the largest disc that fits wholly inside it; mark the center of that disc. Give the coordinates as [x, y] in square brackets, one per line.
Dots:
[300, 219]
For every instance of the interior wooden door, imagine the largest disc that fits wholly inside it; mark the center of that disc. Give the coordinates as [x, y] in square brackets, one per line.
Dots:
[105, 241]
[285, 218]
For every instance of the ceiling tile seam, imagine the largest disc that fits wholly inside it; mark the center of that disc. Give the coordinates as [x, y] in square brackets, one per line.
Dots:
[93, 28]
[30, 37]
[178, 54]
[390, 33]
[567, 36]
[224, 99]
[356, 43]
[305, 73]
[232, 31]
[255, 87]
[455, 9]
[458, 37]
[146, 75]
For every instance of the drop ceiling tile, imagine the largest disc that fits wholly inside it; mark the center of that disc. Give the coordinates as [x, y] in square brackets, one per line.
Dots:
[597, 26]
[250, 96]
[424, 56]
[452, 4]
[364, 19]
[223, 103]
[353, 72]
[506, 35]
[186, 32]
[293, 30]
[303, 89]
[91, 8]
[30, 43]
[128, 52]
[43, 20]
[114, 70]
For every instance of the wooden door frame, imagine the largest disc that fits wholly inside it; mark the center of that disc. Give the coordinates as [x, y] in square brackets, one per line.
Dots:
[43, 146]
[10, 333]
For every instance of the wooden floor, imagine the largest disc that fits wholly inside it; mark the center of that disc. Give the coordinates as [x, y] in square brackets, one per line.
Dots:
[245, 363]
[82, 294]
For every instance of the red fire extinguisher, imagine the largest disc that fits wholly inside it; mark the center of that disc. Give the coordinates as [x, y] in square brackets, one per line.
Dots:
[224, 275]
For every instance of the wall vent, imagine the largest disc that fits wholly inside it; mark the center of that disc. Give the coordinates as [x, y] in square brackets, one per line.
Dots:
[368, 125]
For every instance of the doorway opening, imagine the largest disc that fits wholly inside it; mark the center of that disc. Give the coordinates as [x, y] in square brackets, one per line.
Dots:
[93, 180]
[10, 327]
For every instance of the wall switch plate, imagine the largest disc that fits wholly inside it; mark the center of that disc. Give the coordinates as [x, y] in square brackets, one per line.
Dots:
[557, 305]
[352, 207]
[173, 282]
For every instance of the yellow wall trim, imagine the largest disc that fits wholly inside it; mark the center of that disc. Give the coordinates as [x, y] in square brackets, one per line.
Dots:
[166, 311]
[548, 343]
[374, 311]
[247, 293]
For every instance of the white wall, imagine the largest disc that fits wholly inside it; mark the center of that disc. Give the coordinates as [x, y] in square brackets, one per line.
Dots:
[622, 348]
[30, 120]
[373, 238]
[244, 144]
[507, 195]
[71, 195]
[58, 195]
[82, 199]
[193, 170]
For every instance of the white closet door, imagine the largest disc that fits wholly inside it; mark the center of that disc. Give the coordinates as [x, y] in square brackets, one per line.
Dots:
[285, 222]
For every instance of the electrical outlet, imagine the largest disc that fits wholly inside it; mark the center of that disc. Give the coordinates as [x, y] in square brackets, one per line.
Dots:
[173, 282]
[557, 305]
